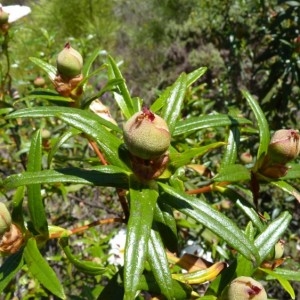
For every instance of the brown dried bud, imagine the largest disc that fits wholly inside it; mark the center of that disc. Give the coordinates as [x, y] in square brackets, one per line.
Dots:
[149, 169]
[12, 240]
[69, 62]
[243, 288]
[102, 111]
[284, 146]
[146, 135]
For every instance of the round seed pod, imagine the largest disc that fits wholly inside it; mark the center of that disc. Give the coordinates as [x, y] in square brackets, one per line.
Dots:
[146, 135]
[244, 288]
[284, 146]
[69, 62]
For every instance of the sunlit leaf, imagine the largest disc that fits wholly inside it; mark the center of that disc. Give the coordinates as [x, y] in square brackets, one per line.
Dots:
[233, 173]
[123, 97]
[158, 261]
[266, 241]
[193, 124]
[49, 69]
[211, 219]
[35, 201]
[101, 175]
[179, 159]
[283, 281]
[41, 270]
[264, 133]
[174, 99]
[87, 267]
[142, 205]
[231, 151]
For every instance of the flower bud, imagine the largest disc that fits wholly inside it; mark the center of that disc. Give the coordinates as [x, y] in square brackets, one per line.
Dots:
[5, 219]
[39, 81]
[284, 146]
[3, 16]
[279, 249]
[243, 288]
[246, 158]
[69, 62]
[146, 135]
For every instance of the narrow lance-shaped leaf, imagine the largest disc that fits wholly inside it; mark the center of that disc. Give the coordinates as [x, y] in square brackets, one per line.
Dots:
[87, 267]
[49, 69]
[35, 201]
[270, 236]
[212, 219]
[101, 175]
[159, 264]
[9, 268]
[40, 269]
[264, 133]
[283, 281]
[124, 100]
[191, 78]
[142, 204]
[230, 155]
[233, 173]
[174, 100]
[193, 124]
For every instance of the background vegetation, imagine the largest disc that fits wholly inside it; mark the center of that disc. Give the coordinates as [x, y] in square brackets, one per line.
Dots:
[252, 45]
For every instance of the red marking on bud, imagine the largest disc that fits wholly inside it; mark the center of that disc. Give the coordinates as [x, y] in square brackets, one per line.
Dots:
[68, 45]
[148, 114]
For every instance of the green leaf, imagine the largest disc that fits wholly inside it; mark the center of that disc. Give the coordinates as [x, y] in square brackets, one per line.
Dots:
[179, 159]
[142, 205]
[284, 283]
[47, 95]
[193, 124]
[233, 173]
[191, 78]
[123, 97]
[283, 185]
[264, 133]
[266, 241]
[211, 219]
[35, 201]
[293, 172]
[87, 267]
[166, 224]
[40, 269]
[59, 142]
[181, 291]
[195, 75]
[9, 268]
[159, 264]
[173, 103]
[49, 69]
[89, 62]
[17, 212]
[55, 111]
[288, 274]
[87, 122]
[251, 213]
[109, 86]
[230, 155]
[100, 175]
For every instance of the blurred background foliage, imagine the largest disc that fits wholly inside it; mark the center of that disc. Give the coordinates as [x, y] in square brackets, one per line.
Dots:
[253, 44]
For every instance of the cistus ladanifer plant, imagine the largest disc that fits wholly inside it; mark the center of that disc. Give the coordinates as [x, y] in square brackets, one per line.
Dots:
[147, 157]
